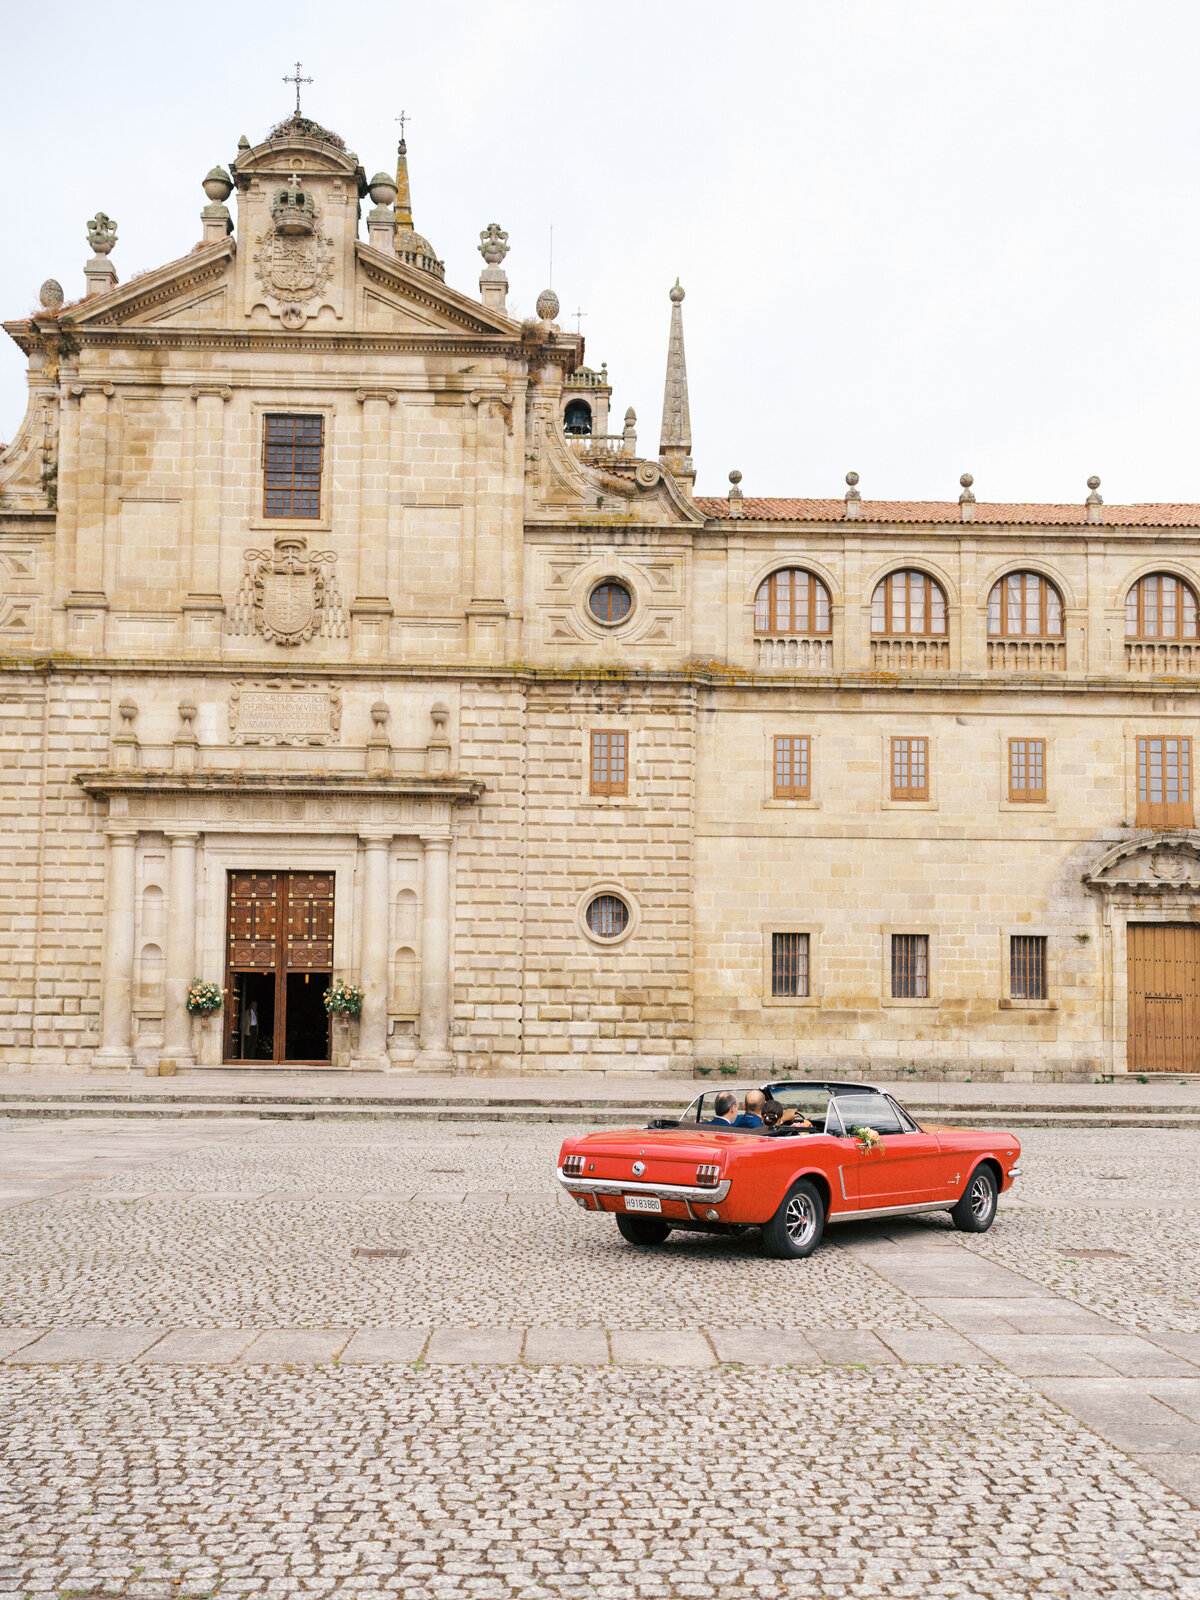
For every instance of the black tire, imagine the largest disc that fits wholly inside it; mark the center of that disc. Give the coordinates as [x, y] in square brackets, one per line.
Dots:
[642, 1230]
[976, 1211]
[796, 1228]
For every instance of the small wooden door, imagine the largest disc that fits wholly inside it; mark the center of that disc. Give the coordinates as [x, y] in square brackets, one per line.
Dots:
[1164, 997]
[279, 964]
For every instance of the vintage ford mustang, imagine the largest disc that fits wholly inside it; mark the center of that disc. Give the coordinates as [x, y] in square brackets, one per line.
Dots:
[852, 1152]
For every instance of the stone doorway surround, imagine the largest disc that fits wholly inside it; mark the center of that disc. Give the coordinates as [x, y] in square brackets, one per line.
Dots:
[1153, 877]
[213, 822]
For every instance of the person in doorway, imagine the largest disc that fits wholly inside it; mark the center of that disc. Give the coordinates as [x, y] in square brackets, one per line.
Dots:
[250, 1031]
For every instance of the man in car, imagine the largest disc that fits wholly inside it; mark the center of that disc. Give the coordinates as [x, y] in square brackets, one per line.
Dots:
[752, 1106]
[725, 1109]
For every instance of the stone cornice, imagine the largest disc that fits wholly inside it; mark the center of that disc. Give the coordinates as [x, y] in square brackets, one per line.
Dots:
[106, 782]
[326, 342]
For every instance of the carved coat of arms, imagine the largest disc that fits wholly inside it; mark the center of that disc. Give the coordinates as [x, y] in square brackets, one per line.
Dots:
[295, 259]
[289, 594]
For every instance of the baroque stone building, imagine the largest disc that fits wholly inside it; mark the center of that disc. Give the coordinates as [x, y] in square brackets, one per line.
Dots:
[343, 638]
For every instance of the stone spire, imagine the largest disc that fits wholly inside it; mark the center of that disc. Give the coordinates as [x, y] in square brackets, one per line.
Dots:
[410, 245]
[404, 216]
[675, 442]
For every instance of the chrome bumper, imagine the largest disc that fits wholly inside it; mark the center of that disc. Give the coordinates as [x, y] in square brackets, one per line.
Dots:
[664, 1191]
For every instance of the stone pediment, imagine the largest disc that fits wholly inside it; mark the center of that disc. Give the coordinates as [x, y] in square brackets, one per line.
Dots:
[194, 289]
[1163, 864]
[417, 302]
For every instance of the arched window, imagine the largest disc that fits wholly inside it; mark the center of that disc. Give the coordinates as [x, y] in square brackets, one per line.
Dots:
[908, 602]
[1023, 605]
[578, 418]
[791, 601]
[1160, 607]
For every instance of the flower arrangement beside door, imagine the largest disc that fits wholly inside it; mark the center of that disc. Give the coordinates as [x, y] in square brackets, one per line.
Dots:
[344, 1000]
[204, 998]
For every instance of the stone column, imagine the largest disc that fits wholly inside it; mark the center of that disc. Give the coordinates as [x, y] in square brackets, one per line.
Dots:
[116, 992]
[372, 1029]
[181, 947]
[435, 1054]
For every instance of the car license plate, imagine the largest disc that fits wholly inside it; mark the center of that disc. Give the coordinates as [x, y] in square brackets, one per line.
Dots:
[642, 1202]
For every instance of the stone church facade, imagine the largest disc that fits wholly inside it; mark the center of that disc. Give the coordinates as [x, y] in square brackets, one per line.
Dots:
[344, 637]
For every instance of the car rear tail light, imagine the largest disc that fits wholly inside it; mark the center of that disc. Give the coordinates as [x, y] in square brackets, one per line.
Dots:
[572, 1166]
[708, 1176]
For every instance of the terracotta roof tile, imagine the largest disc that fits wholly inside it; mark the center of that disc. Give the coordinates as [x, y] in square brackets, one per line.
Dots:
[997, 514]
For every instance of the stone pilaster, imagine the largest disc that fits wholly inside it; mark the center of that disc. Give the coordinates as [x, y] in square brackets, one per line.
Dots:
[181, 947]
[435, 1054]
[116, 992]
[372, 1029]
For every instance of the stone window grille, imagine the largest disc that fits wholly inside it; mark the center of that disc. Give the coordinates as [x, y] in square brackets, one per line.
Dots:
[910, 769]
[789, 965]
[1026, 769]
[910, 966]
[1164, 782]
[1027, 966]
[610, 763]
[608, 916]
[292, 448]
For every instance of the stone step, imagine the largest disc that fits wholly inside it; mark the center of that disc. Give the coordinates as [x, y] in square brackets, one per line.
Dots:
[357, 1110]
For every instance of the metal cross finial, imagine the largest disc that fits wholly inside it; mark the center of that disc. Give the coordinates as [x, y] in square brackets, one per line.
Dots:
[579, 315]
[402, 119]
[297, 80]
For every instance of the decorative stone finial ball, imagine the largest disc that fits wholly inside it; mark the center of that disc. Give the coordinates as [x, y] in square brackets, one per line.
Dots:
[547, 305]
[218, 186]
[380, 713]
[383, 189]
[440, 714]
[966, 480]
[1093, 483]
[187, 712]
[852, 480]
[630, 414]
[51, 294]
[128, 710]
[735, 477]
[677, 293]
[243, 143]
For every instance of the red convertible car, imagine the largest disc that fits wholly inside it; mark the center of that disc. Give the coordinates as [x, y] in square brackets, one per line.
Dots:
[852, 1152]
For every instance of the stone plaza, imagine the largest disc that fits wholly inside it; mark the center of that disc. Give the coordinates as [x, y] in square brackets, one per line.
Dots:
[335, 1358]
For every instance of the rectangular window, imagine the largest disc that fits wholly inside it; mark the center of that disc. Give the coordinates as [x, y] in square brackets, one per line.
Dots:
[292, 466]
[1164, 783]
[789, 965]
[791, 767]
[1027, 966]
[910, 966]
[609, 762]
[1026, 769]
[910, 769]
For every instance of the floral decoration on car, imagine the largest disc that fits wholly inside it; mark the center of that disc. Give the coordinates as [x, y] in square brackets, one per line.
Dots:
[203, 998]
[868, 1138]
[344, 999]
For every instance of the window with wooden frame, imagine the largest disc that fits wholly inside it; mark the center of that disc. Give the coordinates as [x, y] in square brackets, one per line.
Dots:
[1024, 605]
[1160, 606]
[1164, 782]
[792, 777]
[789, 966]
[792, 601]
[909, 603]
[910, 966]
[1027, 966]
[1026, 769]
[292, 448]
[910, 769]
[610, 762]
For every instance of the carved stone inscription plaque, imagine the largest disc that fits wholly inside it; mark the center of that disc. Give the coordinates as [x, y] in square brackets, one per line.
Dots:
[284, 713]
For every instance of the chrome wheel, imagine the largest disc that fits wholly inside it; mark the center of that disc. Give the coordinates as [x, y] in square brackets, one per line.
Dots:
[800, 1219]
[983, 1198]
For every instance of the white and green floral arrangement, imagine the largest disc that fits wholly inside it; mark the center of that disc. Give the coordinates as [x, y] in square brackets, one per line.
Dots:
[203, 998]
[344, 999]
[867, 1138]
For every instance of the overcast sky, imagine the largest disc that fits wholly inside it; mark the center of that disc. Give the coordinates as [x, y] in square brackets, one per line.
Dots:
[917, 236]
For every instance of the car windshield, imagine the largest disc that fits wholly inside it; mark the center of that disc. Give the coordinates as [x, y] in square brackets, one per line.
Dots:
[869, 1110]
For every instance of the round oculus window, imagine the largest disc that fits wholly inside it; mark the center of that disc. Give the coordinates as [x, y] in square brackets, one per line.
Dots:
[608, 916]
[610, 601]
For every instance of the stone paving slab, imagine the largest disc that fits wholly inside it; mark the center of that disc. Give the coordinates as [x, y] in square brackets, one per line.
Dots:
[300, 1345]
[1181, 1472]
[653, 1349]
[1030, 1314]
[205, 1345]
[450, 1346]
[386, 1344]
[1186, 1345]
[13, 1339]
[850, 1346]
[1084, 1354]
[1128, 1412]
[90, 1344]
[566, 1347]
[931, 1348]
[767, 1347]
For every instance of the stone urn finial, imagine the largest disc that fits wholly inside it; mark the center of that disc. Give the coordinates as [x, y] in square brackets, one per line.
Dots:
[380, 712]
[439, 715]
[547, 305]
[102, 233]
[218, 185]
[382, 189]
[128, 712]
[51, 294]
[493, 244]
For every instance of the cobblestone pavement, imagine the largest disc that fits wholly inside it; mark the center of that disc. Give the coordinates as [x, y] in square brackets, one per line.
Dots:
[206, 1392]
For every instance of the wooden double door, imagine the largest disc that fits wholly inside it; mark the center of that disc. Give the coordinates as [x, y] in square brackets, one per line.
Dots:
[1164, 997]
[279, 963]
